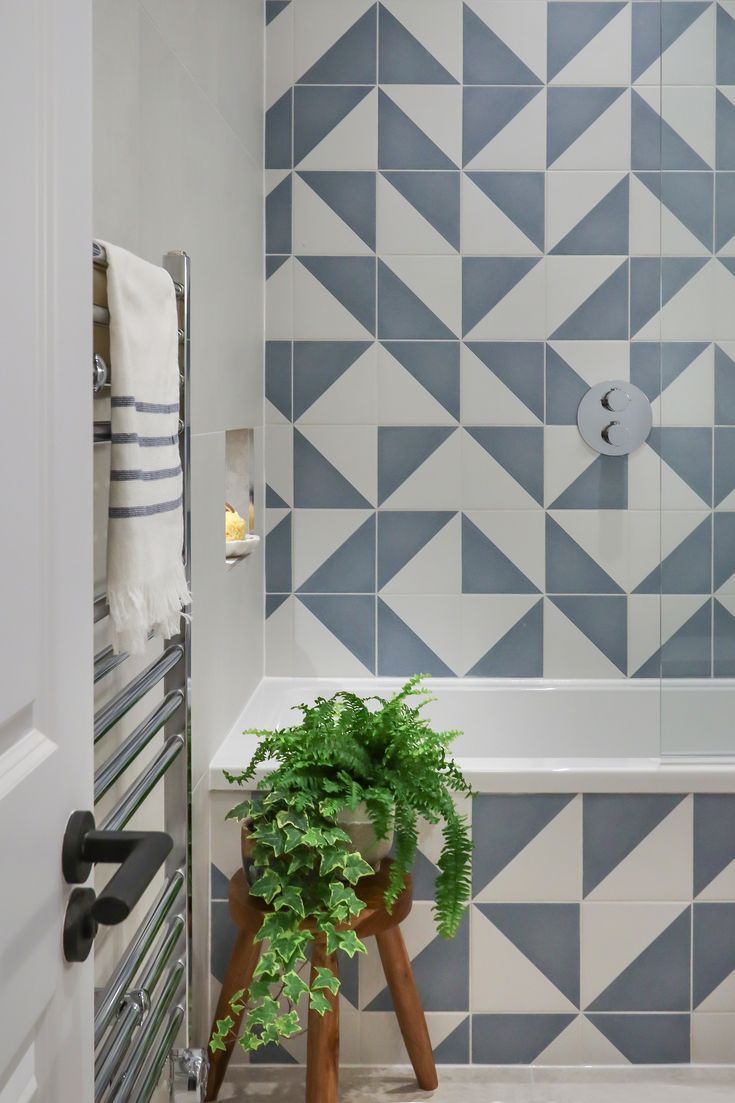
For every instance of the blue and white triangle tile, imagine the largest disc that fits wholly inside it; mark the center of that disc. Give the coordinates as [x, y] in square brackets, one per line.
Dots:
[417, 50]
[278, 50]
[502, 635]
[503, 552]
[418, 466]
[334, 297]
[673, 298]
[503, 213]
[724, 288]
[503, 297]
[687, 211]
[418, 212]
[678, 379]
[526, 1039]
[645, 213]
[685, 549]
[588, 128]
[279, 637]
[502, 467]
[723, 561]
[586, 554]
[724, 478]
[503, 382]
[334, 635]
[714, 849]
[381, 1043]
[637, 847]
[588, 213]
[531, 848]
[334, 551]
[279, 298]
[279, 466]
[725, 383]
[673, 43]
[725, 213]
[504, 127]
[686, 467]
[335, 466]
[335, 127]
[525, 957]
[686, 631]
[418, 298]
[419, 552]
[589, 43]
[334, 213]
[278, 551]
[419, 633]
[725, 127]
[572, 367]
[723, 629]
[418, 382]
[713, 956]
[335, 42]
[278, 211]
[644, 634]
[504, 45]
[577, 478]
[419, 126]
[585, 636]
[725, 32]
[688, 136]
[587, 298]
[335, 382]
[278, 381]
[278, 136]
[636, 1039]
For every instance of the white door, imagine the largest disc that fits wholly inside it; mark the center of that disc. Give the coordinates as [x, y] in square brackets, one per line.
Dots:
[46, 1006]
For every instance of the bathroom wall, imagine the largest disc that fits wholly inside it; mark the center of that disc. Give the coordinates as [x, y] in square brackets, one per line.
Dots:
[601, 932]
[178, 164]
[467, 206]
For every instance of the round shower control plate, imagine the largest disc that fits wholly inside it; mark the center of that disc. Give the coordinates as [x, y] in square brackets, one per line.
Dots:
[615, 417]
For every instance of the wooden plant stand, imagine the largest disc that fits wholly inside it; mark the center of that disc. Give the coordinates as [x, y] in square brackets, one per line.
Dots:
[322, 1055]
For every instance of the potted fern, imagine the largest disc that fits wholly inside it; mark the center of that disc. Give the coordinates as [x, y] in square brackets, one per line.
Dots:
[349, 759]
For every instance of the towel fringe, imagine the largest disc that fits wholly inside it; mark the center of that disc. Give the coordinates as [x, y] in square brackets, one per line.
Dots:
[155, 606]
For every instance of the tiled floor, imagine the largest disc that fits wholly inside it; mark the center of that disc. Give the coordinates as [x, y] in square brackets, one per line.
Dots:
[641, 1085]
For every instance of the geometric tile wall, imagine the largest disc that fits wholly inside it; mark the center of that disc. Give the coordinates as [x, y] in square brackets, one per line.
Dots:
[601, 931]
[475, 211]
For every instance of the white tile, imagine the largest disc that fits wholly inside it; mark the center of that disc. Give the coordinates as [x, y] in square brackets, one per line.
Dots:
[279, 641]
[279, 303]
[713, 1039]
[485, 398]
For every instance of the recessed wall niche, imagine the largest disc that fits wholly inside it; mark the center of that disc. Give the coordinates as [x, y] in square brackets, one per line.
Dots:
[240, 491]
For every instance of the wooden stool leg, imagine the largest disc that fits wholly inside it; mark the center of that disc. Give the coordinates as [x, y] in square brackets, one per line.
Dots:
[407, 1004]
[239, 975]
[322, 1050]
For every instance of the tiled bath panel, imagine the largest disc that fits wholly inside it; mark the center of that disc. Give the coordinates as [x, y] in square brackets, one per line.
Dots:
[601, 932]
[475, 211]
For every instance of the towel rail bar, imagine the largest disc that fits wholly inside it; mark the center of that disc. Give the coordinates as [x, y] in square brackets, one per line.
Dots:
[116, 765]
[106, 717]
[106, 661]
[111, 997]
[99, 260]
[131, 802]
[155, 1068]
[103, 435]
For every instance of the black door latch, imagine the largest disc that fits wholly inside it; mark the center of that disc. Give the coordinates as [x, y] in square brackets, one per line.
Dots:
[140, 854]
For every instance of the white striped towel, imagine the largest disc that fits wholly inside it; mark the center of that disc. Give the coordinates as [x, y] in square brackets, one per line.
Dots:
[146, 581]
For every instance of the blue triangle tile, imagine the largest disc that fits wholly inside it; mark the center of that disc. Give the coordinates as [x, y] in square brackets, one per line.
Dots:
[657, 1039]
[724, 387]
[724, 209]
[569, 569]
[713, 949]
[572, 111]
[402, 144]
[602, 485]
[724, 548]
[403, 60]
[351, 60]
[603, 620]
[349, 617]
[724, 463]
[517, 654]
[676, 273]
[272, 264]
[723, 644]
[351, 195]
[486, 569]
[318, 484]
[401, 652]
[725, 46]
[402, 535]
[655, 145]
[614, 824]
[728, 263]
[571, 28]
[546, 934]
[317, 365]
[278, 206]
[273, 602]
[274, 8]
[520, 451]
[565, 389]
[423, 877]
[349, 976]
[402, 450]
[507, 824]
[455, 1049]
[274, 500]
[714, 837]
[690, 198]
[724, 132]
[519, 365]
[278, 558]
[350, 569]
[278, 376]
[603, 316]
[352, 282]
[687, 654]
[655, 29]
[487, 111]
[435, 195]
[219, 883]
[318, 110]
[279, 133]
[645, 291]
[514, 1039]
[272, 1054]
[486, 281]
[655, 366]
[224, 933]
[520, 196]
[489, 60]
[402, 314]
[687, 569]
[604, 230]
[659, 978]
[688, 452]
[441, 971]
[433, 364]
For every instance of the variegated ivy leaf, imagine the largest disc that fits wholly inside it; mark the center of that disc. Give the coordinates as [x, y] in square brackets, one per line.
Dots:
[294, 987]
[326, 979]
[356, 867]
[318, 1002]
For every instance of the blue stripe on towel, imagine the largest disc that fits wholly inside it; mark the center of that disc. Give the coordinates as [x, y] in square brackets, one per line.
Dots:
[117, 513]
[145, 407]
[144, 442]
[144, 476]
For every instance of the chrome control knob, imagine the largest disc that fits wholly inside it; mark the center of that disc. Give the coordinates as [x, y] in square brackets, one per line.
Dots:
[616, 435]
[616, 400]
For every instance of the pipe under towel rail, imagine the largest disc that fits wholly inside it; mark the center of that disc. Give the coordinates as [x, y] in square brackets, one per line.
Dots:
[128, 751]
[106, 717]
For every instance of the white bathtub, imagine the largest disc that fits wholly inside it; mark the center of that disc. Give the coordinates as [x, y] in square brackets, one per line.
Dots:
[541, 735]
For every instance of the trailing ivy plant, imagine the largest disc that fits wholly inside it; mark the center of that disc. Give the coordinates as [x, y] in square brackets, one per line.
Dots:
[345, 751]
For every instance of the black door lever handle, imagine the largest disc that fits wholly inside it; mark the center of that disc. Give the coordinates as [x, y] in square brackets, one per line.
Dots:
[140, 855]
